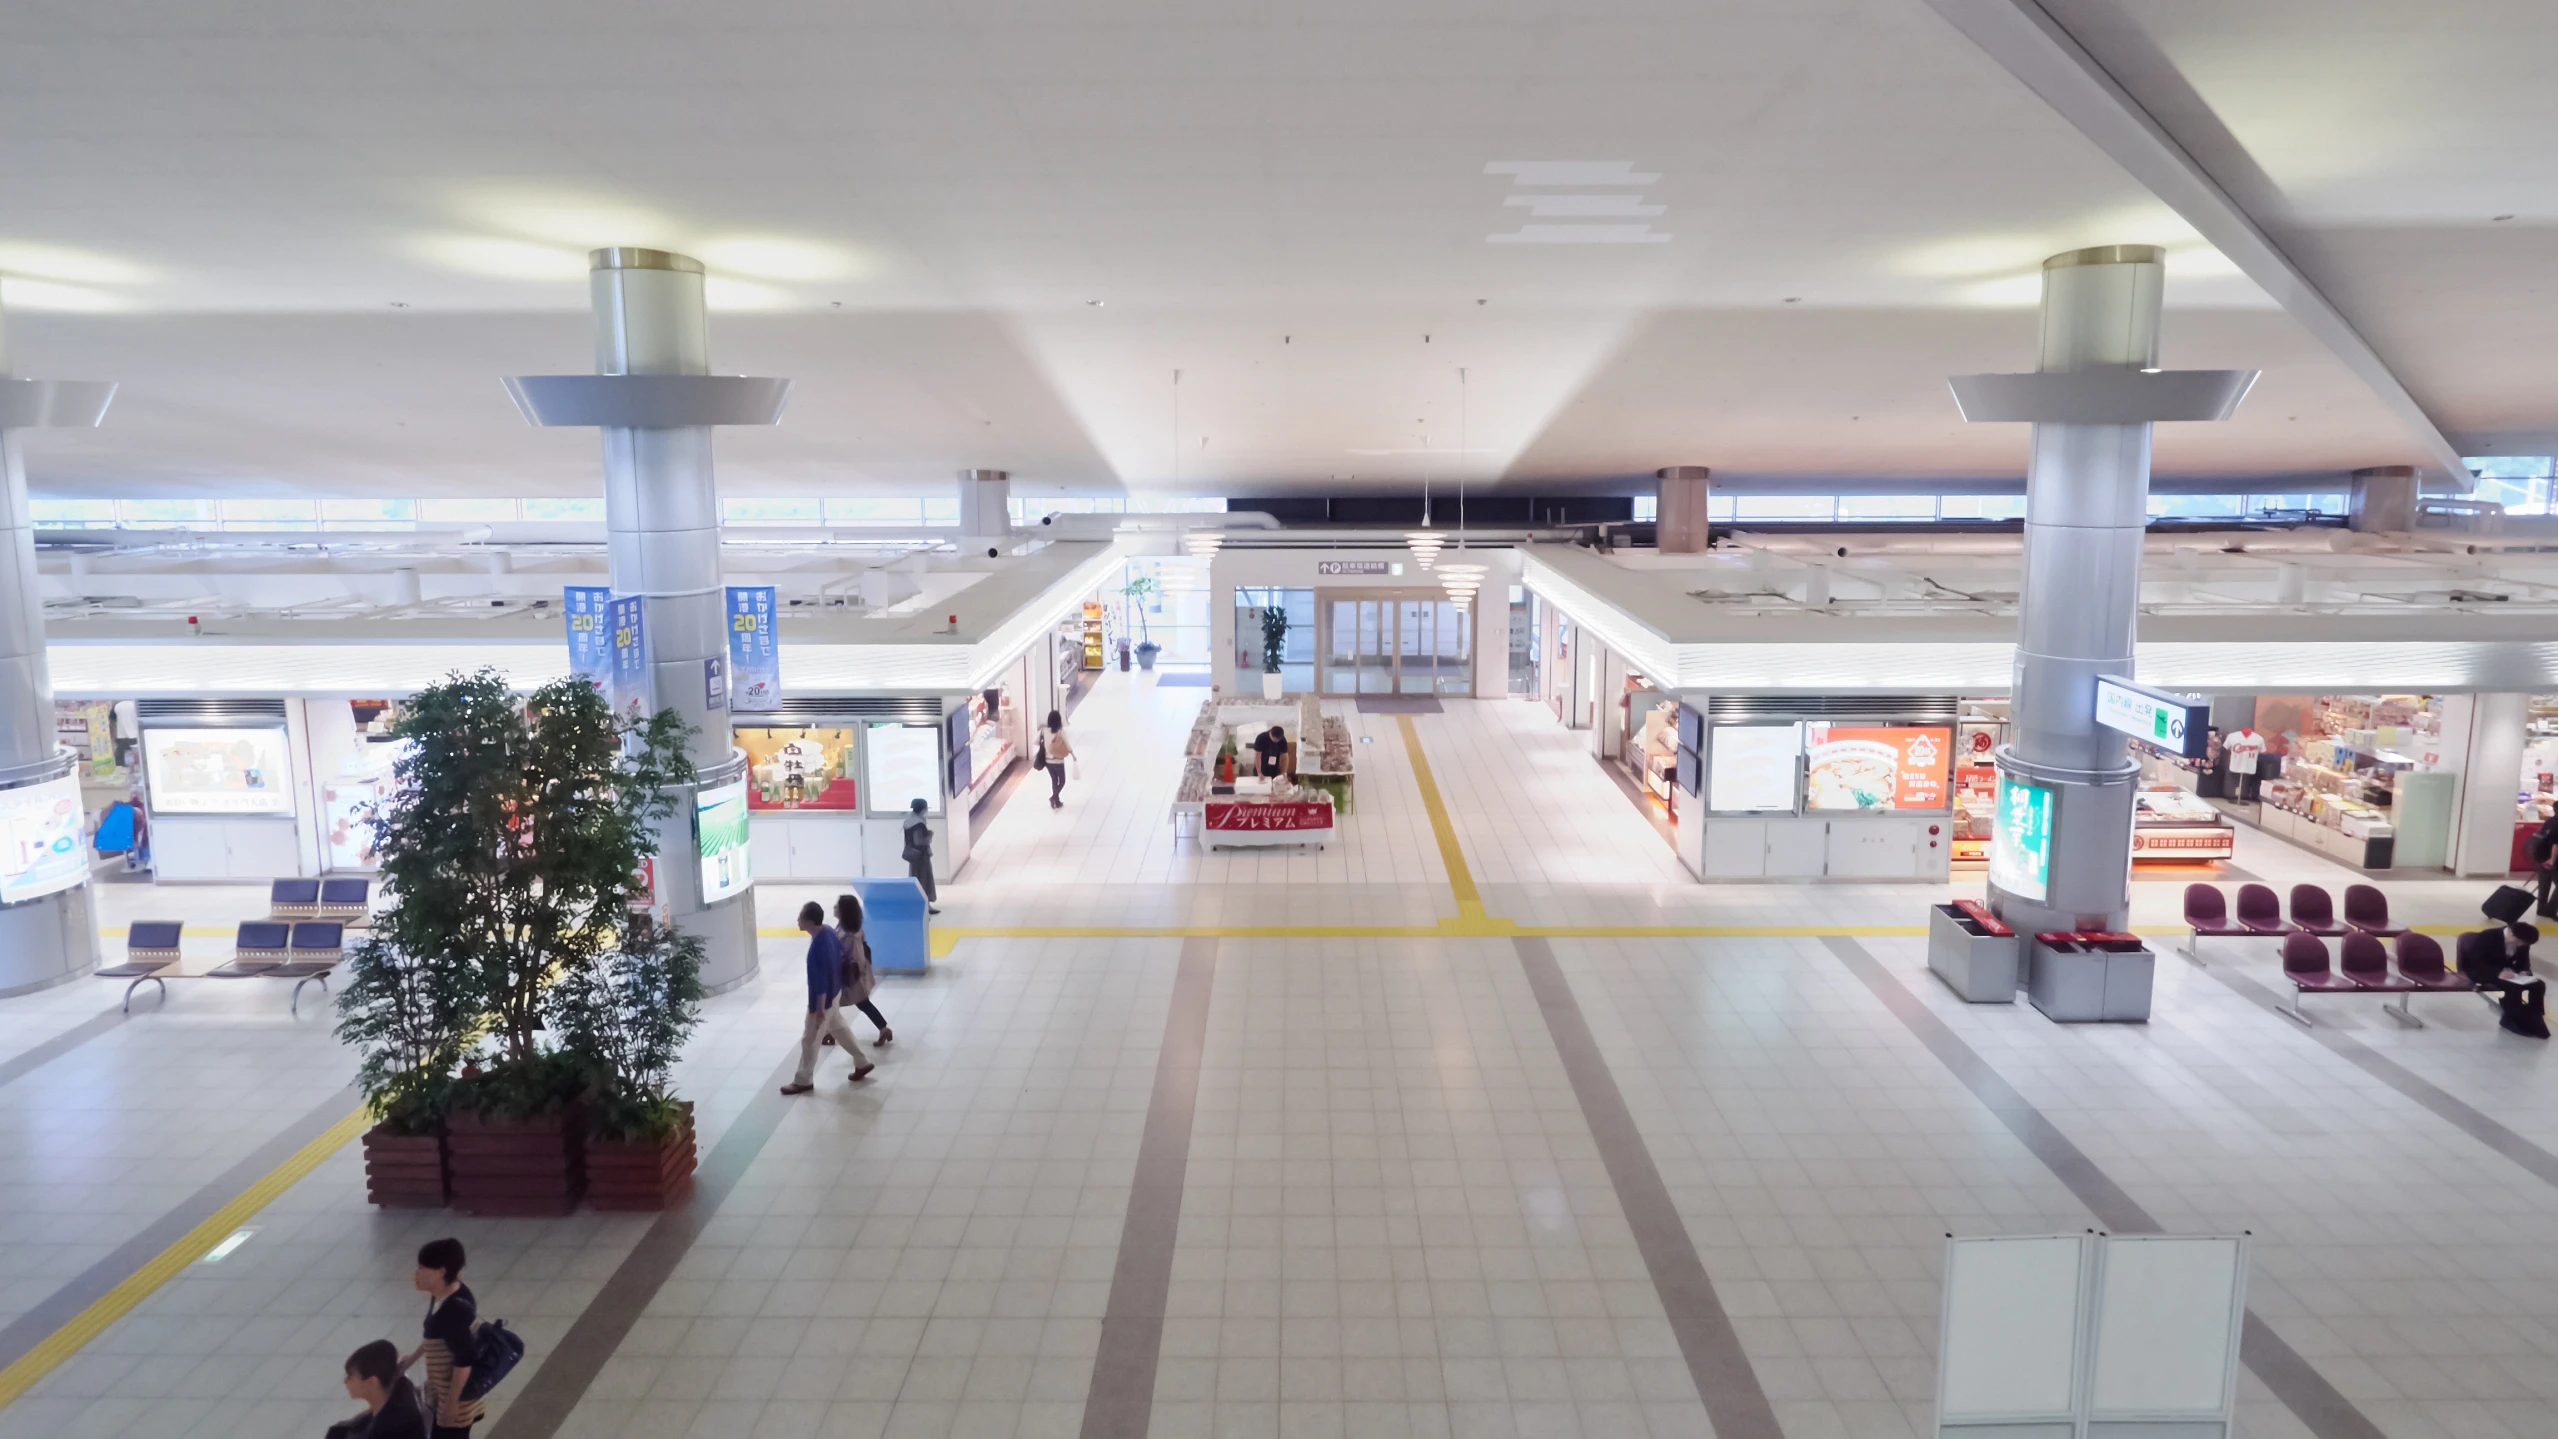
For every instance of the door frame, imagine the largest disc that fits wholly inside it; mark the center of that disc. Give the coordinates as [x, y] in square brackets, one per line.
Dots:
[1389, 621]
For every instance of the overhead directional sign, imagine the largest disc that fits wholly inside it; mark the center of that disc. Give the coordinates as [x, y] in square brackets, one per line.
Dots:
[2178, 724]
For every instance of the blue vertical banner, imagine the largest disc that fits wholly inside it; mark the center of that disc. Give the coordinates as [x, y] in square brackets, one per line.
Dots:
[754, 650]
[627, 624]
[590, 645]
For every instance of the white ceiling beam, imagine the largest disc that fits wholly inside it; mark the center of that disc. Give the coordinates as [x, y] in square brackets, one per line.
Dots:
[2021, 36]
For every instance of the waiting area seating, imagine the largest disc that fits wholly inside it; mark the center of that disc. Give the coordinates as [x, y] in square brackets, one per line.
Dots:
[292, 899]
[2363, 967]
[2260, 914]
[306, 952]
[150, 946]
[348, 901]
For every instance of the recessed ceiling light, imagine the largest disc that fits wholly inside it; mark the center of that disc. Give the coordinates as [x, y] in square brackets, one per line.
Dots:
[1096, 304]
[399, 304]
[1794, 299]
[2500, 219]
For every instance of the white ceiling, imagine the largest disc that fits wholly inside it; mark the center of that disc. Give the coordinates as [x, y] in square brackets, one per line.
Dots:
[310, 237]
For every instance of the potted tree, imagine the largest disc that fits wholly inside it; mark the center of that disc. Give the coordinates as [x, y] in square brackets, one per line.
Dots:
[510, 850]
[410, 1018]
[627, 1018]
[1274, 648]
[1137, 591]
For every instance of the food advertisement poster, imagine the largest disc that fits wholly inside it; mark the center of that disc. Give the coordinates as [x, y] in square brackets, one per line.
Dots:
[720, 822]
[40, 849]
[1886, 767]
[2021, 839]
[217, 771]
[799, 768]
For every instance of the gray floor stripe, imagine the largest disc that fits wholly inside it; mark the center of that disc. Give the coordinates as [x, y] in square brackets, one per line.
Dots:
[2319, 1406]
[1121, 1402]
[91, 1284]
[2474, 1122]
[566, 1372]
[1734, 1400]
[18, 1066]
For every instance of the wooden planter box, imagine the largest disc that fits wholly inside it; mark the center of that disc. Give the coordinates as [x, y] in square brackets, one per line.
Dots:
[521, 1167]
[404, 1171]
[657, 1174]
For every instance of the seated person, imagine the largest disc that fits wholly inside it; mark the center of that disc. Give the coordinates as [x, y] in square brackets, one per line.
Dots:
[2500, 963]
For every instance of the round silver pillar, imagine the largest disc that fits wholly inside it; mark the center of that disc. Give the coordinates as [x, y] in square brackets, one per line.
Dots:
[51, 939]
[2086, 508]
[661, 520]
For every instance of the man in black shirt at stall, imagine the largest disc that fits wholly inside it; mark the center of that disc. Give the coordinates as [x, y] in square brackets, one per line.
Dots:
[1273, 749]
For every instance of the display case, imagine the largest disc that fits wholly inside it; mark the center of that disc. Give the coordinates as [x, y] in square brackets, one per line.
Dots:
[2175, 826]
[1096, 646]
[990, 746]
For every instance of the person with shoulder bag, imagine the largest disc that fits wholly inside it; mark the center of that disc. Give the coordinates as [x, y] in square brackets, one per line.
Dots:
[825, 990]
[918, 855]
[860, 978]
[1054, 751]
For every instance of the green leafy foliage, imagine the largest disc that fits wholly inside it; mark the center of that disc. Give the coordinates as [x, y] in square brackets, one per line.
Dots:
[628, 1017]
[1274, 639]
[507, 849]
[1138, 589]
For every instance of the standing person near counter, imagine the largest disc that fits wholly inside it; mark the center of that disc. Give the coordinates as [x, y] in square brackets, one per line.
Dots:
[919, 856]
[1053, 753]
[860, 979]
[825, 987]
[2544, 867]
[1273, 749]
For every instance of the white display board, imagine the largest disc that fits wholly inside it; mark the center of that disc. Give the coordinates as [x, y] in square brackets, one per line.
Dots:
[218, 771]
[901, 763]
[2168, 1314]
[2011, 1341]
[1750, 768]
[721, 824]
[40, 844]
[2044, 1336]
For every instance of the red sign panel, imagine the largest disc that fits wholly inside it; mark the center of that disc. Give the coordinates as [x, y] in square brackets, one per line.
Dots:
[1294, 814]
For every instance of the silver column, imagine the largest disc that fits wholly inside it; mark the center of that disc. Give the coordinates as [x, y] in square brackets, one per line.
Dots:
[51, 939]
[2086, 506]
[661, 519]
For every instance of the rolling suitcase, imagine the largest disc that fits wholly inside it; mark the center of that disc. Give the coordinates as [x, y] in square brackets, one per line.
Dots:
[2507, 904]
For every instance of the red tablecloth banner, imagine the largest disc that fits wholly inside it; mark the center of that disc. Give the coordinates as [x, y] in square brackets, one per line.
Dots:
[1265, 815]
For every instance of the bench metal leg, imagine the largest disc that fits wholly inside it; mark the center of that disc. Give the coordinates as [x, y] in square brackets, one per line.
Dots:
[137, 984]
[2296, 1014]
[2402, 1013]
[321, 980]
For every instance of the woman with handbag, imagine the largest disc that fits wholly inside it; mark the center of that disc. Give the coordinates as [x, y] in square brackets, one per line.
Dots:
[1054, 751]
[859, 977]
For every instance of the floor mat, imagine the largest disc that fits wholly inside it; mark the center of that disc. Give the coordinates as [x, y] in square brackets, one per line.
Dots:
[1196, 681]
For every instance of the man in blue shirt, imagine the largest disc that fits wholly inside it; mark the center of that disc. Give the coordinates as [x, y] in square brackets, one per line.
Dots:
[825, 987]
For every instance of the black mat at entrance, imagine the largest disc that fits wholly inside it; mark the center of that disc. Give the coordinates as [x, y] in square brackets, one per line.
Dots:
[1168, 677]
[1399, 705]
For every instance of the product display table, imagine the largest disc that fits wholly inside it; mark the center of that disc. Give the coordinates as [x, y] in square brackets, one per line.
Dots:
[1240, 822]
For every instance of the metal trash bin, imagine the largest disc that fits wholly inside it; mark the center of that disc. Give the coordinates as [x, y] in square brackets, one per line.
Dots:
[2090, 977]
[1976, 955]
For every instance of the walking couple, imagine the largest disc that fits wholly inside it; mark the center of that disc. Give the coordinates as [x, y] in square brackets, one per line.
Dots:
[839, 973]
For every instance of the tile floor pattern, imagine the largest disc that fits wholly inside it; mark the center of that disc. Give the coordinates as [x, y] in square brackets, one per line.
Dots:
[1394, 1220]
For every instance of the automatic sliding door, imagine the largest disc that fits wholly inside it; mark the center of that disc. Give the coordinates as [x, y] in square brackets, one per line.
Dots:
[1341, 648]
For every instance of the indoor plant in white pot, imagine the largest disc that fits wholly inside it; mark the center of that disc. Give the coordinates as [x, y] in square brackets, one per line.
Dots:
[1274, 648]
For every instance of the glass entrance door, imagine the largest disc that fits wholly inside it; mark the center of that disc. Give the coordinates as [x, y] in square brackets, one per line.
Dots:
[1396, 646]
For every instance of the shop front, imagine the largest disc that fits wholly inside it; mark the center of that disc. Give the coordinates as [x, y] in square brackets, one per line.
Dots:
[1806, 788]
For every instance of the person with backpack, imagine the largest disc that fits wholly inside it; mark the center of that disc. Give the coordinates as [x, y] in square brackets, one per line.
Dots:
[450, 1344]
[825, 990]
[919, 856]
[860, 979]
[2544, 867]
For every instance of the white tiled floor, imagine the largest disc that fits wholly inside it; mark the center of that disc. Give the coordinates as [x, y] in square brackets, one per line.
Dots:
[1394, 1222]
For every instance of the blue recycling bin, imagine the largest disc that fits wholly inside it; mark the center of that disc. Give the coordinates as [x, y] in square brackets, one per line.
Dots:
[895, 922]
